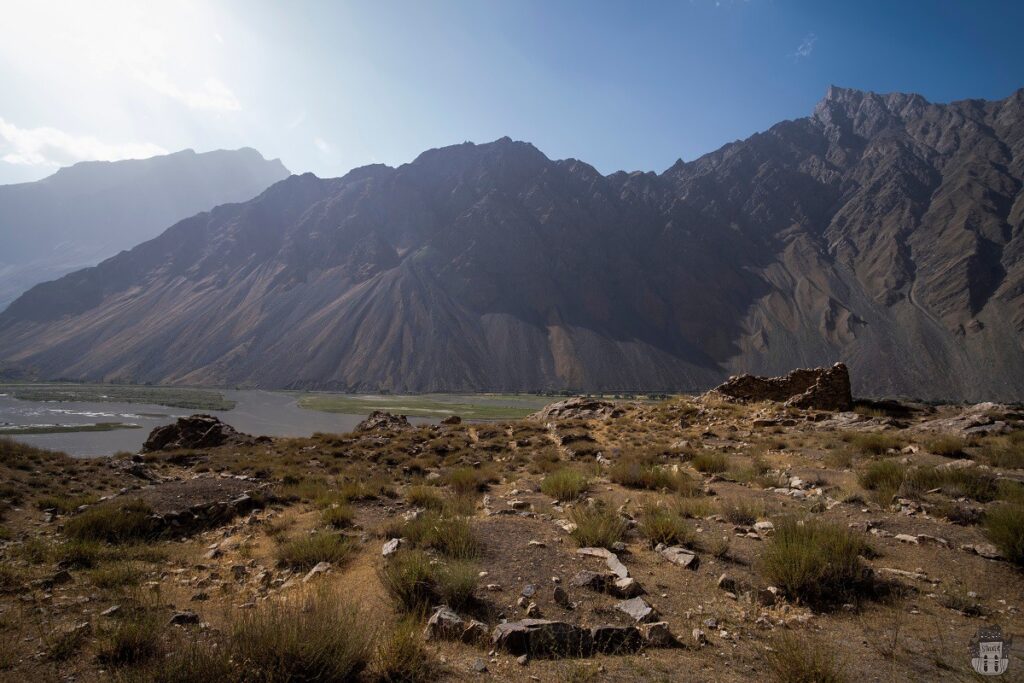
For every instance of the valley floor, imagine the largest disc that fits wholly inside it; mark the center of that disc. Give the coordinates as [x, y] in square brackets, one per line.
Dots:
[862, 546]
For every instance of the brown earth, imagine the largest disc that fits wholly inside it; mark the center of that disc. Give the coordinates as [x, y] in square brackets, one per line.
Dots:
[748, 462]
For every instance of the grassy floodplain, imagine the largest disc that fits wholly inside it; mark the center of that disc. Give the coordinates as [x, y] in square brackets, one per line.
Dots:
[17, 430]
[172, 397]
[468, 406]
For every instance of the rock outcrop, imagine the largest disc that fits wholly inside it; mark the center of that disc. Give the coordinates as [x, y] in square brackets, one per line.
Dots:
[194, 431]
[579, 408]
[382, 421]
[817, 389]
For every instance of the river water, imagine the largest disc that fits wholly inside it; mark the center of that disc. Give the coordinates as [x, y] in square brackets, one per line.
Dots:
[255, 412]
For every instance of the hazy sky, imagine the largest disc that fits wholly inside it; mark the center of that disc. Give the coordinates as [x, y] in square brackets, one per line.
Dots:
[327, 86]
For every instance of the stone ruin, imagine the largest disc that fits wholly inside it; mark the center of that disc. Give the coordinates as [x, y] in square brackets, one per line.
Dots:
[816, 389]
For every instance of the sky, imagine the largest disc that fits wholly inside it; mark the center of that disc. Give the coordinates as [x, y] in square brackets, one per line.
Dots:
[327, 86]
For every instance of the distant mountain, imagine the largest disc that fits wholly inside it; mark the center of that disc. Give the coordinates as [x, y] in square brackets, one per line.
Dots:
[883, 230]
[90, 211]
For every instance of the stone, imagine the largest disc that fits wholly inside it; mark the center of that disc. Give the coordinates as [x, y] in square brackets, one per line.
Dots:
[657, 634]
[561, 598]
[475, 632]
[60, 577]
[184, 618]
[907, 538]
[532, 610]
[320, 568]
[681, 556]
[816, 389]
[625, 588]
[452, 420]
[609, 639]
[596, 581]
[479, 665]
[391, 547]
[444, 624]
[194, 431]
[111, 611]
[578, 408]
[699, 637]
[638, 610]
[523, 660]
[986, 550]
[727, 583]
[383, 421]
[764, 528]
[529, 590]
[541, 638]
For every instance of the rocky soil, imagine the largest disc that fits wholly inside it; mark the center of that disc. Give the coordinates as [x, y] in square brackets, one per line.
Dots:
[915, 487]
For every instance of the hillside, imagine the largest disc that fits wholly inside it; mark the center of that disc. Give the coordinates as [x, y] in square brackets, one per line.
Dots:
[882, 230]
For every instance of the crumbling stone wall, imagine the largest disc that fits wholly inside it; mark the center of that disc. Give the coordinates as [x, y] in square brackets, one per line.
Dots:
[818, 388]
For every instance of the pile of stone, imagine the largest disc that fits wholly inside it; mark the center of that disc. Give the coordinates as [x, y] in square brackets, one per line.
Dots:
[382, 421]
[194, 431]
[578, 408]
[815, 389]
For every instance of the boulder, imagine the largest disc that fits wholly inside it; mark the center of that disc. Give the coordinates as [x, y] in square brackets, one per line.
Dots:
[596, 581]
[609, 639]
[638, 610]
[444, 624]
[580, 408]
[541, 638]
[382, 421]
[194, 431]
[681, 556]
[657, 634]
[815, 389]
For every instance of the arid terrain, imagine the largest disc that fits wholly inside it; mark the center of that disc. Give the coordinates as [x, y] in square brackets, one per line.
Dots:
[704, 538]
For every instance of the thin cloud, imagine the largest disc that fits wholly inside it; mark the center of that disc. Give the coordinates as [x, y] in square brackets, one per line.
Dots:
[805, 48]
[213, 96]
[52, 147]
[322, 145]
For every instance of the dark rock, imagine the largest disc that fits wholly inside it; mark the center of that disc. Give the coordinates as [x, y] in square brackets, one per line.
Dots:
[596, 581]
[657, 634]
[452, 420]
[615, 639]
[444, 624]
[185, 618]
[194, 431]
[541, 638]
[817, 389]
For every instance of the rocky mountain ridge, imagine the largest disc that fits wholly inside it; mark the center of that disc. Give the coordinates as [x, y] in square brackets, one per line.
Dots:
[882, 231]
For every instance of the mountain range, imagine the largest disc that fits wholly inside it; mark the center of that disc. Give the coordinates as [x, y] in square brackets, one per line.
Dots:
[882, 230]
[88, 212]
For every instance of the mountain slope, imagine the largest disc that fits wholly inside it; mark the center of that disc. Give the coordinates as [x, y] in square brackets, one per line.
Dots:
[882, 230]
[90, 211]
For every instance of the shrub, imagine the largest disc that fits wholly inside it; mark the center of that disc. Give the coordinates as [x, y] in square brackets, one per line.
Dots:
[315, 637]
[742, 512]
[660, 524]
[450, 536]
[465, 480]
[597, 526]
[402, 658]
[565, 484]
[883, 476]
[946, 445]
[338, 517]
[1004, 526]
[113, 522]
[816, 562]
[78, 554]
[799, 660]
[646, 473]
[709, 462]
[64, 504]
[308, 551]
[63, 645]
[133, 638]
[956, 483]
[416, 582]
[872, 443]
[116, 575]
[425, 497]
[191, 662]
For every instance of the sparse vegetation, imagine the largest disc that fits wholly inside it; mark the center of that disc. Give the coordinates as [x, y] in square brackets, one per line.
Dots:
[306, 552]
[597, 526]
[873, 443]
[401, 657]
[662, 524]
[816, 562]
[795, 659]
[1004, 525]
[710, 462]
[416, 583]
[565, 484]
[113, 523]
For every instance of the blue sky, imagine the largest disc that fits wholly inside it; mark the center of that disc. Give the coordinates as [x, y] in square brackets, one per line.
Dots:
[328, 86]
